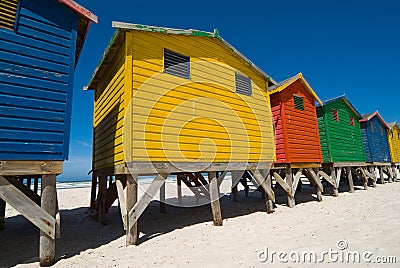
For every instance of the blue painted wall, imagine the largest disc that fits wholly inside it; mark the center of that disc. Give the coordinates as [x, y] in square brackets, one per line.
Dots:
[375, 141]
[37, 63]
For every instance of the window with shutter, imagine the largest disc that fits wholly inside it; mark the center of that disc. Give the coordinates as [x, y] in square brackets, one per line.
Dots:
[298, 103]
[176, 64]
[8, 12]
[243, 84]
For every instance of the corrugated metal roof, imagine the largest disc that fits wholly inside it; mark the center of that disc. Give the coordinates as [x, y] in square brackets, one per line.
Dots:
[285, 83]
[121, 26]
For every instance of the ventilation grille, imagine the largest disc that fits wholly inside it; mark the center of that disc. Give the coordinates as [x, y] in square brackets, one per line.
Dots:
[243, 84]
[351, 121]
[8, 11]
[176, 64]
[335, 115]
[298, 103]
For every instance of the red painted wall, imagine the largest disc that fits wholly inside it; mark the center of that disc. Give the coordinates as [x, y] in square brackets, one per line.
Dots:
[297, 131]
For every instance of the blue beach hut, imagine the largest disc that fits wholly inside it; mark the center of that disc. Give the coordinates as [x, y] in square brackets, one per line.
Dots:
[374, 133]
[40, 44]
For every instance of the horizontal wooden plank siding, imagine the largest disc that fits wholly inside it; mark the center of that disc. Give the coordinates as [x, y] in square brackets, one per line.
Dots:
[340, 141]
[375, 141]
[37, 63]
[201, 118]
[109, 112]
[394, 143]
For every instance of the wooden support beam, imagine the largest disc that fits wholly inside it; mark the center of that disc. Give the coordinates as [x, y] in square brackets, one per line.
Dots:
[47, 251]
[382, 178]
[144, 201]
[370, 172]
[93, 204]
[179, 188]
[214, 198]
[236, 176]
[24, 189]
[314, 180]
[131, 201]
[261, 180]
[29, 209]
[2, 213]
[350, 179]
[296, 180]
[326, 177]
[162, 198]
[365, 178]
[335, 182]
[269, 202]
[101, 199]
[289, 181]
[121, 201]
[282, 183]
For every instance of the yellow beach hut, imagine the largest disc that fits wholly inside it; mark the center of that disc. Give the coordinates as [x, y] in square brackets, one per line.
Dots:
[394, 144]
[170, 101]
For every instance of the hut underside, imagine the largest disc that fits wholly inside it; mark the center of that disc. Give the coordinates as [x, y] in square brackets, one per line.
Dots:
[19, 187]
[121, 182]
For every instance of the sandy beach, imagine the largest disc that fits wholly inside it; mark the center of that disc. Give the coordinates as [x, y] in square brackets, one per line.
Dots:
[367, 220]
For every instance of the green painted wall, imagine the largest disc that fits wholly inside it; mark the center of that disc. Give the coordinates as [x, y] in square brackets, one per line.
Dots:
[340, 141]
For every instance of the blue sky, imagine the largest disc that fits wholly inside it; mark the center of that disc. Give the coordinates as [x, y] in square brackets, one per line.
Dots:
[350, 47]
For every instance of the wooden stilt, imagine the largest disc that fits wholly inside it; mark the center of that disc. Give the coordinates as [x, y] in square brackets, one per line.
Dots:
[389, 175]
[179, 189]
[162, 198]
[372, 171]
[289, 181]
[269, 202]
[314, 180]
[48, 204]
[2, 213]
[214, 196]
[101, 199]
[235, 180]
[335, 185]
[131, 200]
[350, 179]
[93, 191]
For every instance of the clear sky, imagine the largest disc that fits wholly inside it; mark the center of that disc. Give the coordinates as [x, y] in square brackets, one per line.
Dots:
[350, 47]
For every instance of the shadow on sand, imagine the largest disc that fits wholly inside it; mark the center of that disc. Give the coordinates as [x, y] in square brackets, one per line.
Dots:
[20, 239]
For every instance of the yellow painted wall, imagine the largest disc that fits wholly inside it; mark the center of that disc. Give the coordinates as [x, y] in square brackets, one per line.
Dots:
[202, 119]
[109, 111]
[394, 142]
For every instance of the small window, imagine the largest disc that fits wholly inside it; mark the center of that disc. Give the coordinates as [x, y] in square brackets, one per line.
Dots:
[176, 64]
[8, 12]
[398, 135]
[371, 125]
[335, 115]
[243, 84]
[298, 103]
[351, 121]
[381, 129]
[392, 132]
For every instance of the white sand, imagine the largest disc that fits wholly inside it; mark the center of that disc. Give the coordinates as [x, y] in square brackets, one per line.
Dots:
[367, 220]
